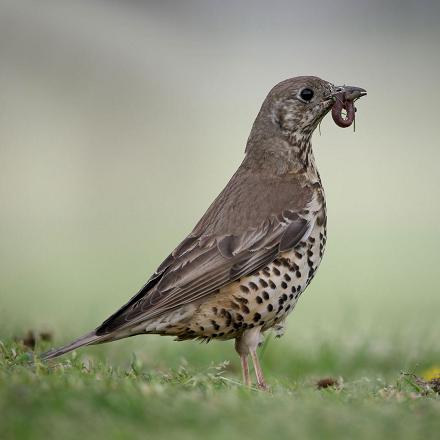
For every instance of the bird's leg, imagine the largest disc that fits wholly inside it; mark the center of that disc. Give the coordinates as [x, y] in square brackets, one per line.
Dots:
[246, 344]
[258, 370]
[245, 370]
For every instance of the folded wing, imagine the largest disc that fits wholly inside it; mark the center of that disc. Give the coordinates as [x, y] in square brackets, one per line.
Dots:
[242, 231]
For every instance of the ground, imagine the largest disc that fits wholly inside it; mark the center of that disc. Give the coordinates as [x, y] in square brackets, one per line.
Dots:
[370, 327]
[108, 392]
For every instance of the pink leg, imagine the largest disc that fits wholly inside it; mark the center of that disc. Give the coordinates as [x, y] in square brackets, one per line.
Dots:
[246, 344]
[245, 369]
[258, 371]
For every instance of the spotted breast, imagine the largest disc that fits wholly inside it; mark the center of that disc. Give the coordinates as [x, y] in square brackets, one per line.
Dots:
[264, 298]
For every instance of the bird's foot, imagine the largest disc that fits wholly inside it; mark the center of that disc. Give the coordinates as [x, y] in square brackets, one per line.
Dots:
[263, 386]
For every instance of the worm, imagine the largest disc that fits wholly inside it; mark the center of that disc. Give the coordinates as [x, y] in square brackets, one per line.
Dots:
[340, 104]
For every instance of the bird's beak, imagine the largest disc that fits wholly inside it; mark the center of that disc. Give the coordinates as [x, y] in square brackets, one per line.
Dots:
[350, 93]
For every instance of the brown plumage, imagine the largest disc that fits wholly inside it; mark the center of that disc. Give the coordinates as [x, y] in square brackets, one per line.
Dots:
[243, 267]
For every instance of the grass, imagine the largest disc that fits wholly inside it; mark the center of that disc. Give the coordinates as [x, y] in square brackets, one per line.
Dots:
[85, 395]
[364, 327]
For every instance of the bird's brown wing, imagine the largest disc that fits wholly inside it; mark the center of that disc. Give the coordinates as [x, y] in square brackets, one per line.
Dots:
[247, 226]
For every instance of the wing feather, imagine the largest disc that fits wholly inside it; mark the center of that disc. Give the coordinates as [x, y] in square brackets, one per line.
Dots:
[217, 253]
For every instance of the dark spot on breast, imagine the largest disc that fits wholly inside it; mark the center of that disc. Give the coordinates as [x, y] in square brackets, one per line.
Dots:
[276, 271]
[265, 295]
[245, 309]
[295, 267]
[269, 307]
[242, 300]
[239, 317]
[293, 289]
[259, 300]
[263, 282]
[277, 262]
[287, 277]
[285, 262]
[244, 289]
[202, 328]
[309, 262]
[284, 285]
[272, 284]
[236, 325]
[312, 240]
[215, 325]
[215, 310]
[235, 305]
[253, 286]
[291, 296]
[257, 317]
[298, 255]
[288, 307]
[284, 296]
[310, 253]
[261, 323]
[298, 274]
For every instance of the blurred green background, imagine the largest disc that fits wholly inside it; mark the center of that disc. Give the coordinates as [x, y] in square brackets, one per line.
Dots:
[121, 121]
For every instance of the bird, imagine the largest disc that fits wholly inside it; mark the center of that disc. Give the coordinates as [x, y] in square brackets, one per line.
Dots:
[241, 270]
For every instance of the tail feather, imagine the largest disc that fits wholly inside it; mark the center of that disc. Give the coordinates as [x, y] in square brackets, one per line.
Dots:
[88, 339]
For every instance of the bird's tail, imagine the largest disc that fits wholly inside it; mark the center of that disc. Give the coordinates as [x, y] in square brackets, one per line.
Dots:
[88, 339]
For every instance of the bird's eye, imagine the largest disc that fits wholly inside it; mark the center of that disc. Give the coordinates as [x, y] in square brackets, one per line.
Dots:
[306, 94]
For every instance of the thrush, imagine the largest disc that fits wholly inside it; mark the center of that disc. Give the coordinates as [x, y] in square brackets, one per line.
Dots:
[241, 270]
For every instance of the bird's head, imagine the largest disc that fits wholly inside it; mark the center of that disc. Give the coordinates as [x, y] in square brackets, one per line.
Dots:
[289, 115]
[297, 105]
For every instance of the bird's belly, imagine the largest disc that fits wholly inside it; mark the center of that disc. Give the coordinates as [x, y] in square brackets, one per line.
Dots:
[263, 299]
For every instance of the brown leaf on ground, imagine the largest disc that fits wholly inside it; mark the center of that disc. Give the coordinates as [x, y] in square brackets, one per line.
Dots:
[31, 338]
[435, 385]
[327, 383]
[423, 387]
[46, 336]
